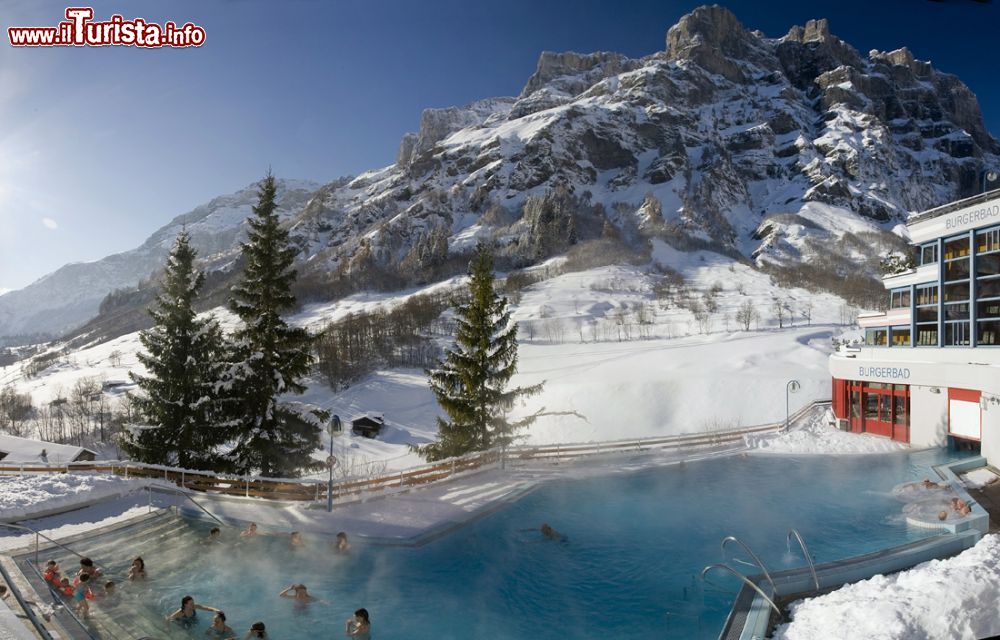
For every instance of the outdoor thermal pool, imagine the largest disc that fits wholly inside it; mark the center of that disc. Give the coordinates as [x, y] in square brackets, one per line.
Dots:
[637, 543]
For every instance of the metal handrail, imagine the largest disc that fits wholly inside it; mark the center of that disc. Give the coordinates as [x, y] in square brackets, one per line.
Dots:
[805, 552]
[753, 555]
[746, 581]
[149, 488]
[38, 535]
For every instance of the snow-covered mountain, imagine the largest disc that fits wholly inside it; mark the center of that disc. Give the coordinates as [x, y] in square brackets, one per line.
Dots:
[726, 138]
[69, 296]
[780, 150]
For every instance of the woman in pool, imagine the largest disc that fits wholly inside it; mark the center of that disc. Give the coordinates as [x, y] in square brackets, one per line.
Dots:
[187, 615]
[256, 631]
[87, 566]
[250, 531]
[359, 626]
[138, 569]
[219, 628]
[298, 592]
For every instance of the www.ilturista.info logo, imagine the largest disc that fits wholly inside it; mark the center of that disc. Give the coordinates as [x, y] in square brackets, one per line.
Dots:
[79, 30]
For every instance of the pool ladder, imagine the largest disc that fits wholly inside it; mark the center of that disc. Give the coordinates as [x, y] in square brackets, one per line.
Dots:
[792, 533]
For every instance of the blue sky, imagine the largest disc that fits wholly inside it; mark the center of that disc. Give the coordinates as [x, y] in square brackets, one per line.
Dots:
[101, 146]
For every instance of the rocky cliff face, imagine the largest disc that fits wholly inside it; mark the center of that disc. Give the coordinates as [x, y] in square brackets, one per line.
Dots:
[725, 128]
[726, 138]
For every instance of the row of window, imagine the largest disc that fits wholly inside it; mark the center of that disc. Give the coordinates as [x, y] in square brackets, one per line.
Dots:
[987, 241]
[956, 334]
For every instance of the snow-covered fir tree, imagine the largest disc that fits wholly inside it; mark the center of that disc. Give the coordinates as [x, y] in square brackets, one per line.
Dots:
[470, 383]
[185, 360]
[274, 438]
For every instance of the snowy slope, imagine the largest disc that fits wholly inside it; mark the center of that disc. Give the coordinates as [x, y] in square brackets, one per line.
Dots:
[672, 378]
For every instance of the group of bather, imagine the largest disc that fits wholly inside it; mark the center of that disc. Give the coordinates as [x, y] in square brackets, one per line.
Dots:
[83, 588]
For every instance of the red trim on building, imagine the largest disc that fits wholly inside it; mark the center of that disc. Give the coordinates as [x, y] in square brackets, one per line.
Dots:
[965, 395]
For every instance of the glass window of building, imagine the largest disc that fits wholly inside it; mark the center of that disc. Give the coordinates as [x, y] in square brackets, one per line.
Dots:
[988, 240]
[900, 336]
[927, 294]
[876, 337]
[988, 333]
[956, 292]
[928, 253]
[927, 335]
[957, 247]
[956, 334]
[899, 298]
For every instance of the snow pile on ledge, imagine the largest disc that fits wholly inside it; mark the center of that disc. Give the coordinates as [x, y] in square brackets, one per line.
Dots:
[953, 598]
[819, 437]
[978, 478]
[22, 497]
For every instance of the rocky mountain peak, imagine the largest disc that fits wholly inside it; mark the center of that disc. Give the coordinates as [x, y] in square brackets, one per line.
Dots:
[575, 72]
[714, 38]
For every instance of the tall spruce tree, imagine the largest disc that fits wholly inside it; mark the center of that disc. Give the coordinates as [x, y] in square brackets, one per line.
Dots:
[274, 438]
[185, 359]
[470, 383]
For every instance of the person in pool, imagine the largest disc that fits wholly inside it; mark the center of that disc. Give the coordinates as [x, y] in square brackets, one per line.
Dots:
[219, 628]
[80, 595]
[87, 566]
[360, 625]
[298, 592]
[257, 631]
[250, 531]
[51, 573]
[215, 535]
[188, 613]
[550, 533]
[138, 569]
[341, 544]
[296, 539]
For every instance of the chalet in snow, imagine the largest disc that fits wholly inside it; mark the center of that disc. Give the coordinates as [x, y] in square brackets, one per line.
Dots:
[25, 450]
[368, 425]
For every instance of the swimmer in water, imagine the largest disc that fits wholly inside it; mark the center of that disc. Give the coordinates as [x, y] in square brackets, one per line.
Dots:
[360, 625]
[341, 545]
[297, 592]
[215, 535]
[187, 615]
[257, 631]
[219, 628]
[138, 569]
[250, 531]
[550, 533]
[296, 539]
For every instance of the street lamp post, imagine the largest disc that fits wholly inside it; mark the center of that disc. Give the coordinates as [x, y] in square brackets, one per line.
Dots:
[791, 387]
[332, 428]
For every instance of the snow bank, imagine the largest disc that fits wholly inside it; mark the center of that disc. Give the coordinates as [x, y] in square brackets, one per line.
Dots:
[818, 437]
[953, 598]
[22, 497]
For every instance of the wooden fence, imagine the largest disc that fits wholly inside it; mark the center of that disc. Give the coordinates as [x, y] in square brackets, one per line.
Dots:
[312, 489]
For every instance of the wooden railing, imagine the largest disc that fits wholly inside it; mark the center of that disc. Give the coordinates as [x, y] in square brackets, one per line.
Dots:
[312, 489]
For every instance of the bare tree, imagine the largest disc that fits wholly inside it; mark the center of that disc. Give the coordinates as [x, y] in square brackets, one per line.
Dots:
[779, 308]
[807, 311]
[747, 314]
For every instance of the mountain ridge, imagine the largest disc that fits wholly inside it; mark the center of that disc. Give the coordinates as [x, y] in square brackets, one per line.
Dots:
[725, 139]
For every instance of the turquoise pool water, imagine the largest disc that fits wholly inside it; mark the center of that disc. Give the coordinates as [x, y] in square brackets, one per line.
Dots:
[637, 544]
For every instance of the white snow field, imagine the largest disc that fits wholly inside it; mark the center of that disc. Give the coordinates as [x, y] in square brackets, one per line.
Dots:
[819, 436]
[606, 376]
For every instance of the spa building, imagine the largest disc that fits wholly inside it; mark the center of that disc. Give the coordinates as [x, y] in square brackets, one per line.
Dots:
[928, 372]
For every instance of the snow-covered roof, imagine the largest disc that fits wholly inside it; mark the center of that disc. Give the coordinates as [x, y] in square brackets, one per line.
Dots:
[27, 450]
